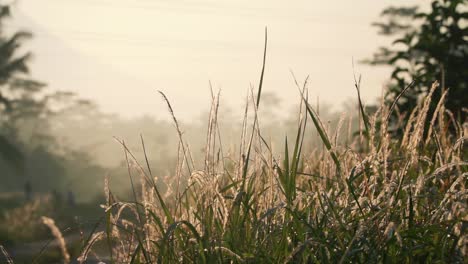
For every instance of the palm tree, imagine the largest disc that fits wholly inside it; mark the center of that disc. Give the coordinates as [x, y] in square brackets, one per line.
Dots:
[16, 89]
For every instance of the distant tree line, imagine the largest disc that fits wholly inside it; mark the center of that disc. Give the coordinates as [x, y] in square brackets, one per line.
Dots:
[30, 157]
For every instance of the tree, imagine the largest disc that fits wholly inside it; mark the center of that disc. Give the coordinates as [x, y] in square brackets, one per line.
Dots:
[429, 46]
[17, 91]
[29, 116]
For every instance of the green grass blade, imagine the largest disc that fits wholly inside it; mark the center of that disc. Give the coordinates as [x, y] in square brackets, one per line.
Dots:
[134, 259]
[108, 234]
[364, 116]
[323, 135]
[260, 85]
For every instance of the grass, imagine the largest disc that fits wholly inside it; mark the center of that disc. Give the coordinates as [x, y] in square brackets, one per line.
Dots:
[386, 199]
[376, 198]
[25, 235]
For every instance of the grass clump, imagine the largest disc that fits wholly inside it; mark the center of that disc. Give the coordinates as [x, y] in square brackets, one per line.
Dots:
[383, 200]
[375, 199]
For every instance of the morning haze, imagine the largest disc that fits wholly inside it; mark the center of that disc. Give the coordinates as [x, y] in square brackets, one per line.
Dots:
[120, 52]
[240, 131]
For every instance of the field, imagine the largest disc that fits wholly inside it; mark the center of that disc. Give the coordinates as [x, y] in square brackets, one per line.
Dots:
[394, 190]
[372, 196]
[383, 182]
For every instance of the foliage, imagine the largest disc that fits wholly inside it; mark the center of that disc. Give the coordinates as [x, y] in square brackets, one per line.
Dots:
[30, 153]
[429, 46]
[398, 199]
[16, 90]
[395, 199]
[372, 199]
[22, 223]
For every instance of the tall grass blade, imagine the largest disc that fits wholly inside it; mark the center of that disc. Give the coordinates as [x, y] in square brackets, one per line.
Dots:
[260, 86]
[323, 135]
[365, 118]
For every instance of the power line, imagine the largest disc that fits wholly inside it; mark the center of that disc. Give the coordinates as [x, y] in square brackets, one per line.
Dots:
[150, 5]
[127, 39]
[200, 8]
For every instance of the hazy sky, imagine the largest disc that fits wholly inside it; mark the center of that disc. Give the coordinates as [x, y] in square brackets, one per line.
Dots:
[119, 52]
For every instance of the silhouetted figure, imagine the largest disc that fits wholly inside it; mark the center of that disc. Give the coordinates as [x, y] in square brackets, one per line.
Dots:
[57, 198]
[71, 199]
[27, 191]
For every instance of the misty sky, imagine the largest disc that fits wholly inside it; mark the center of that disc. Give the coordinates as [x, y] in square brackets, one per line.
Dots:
[120, 52]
